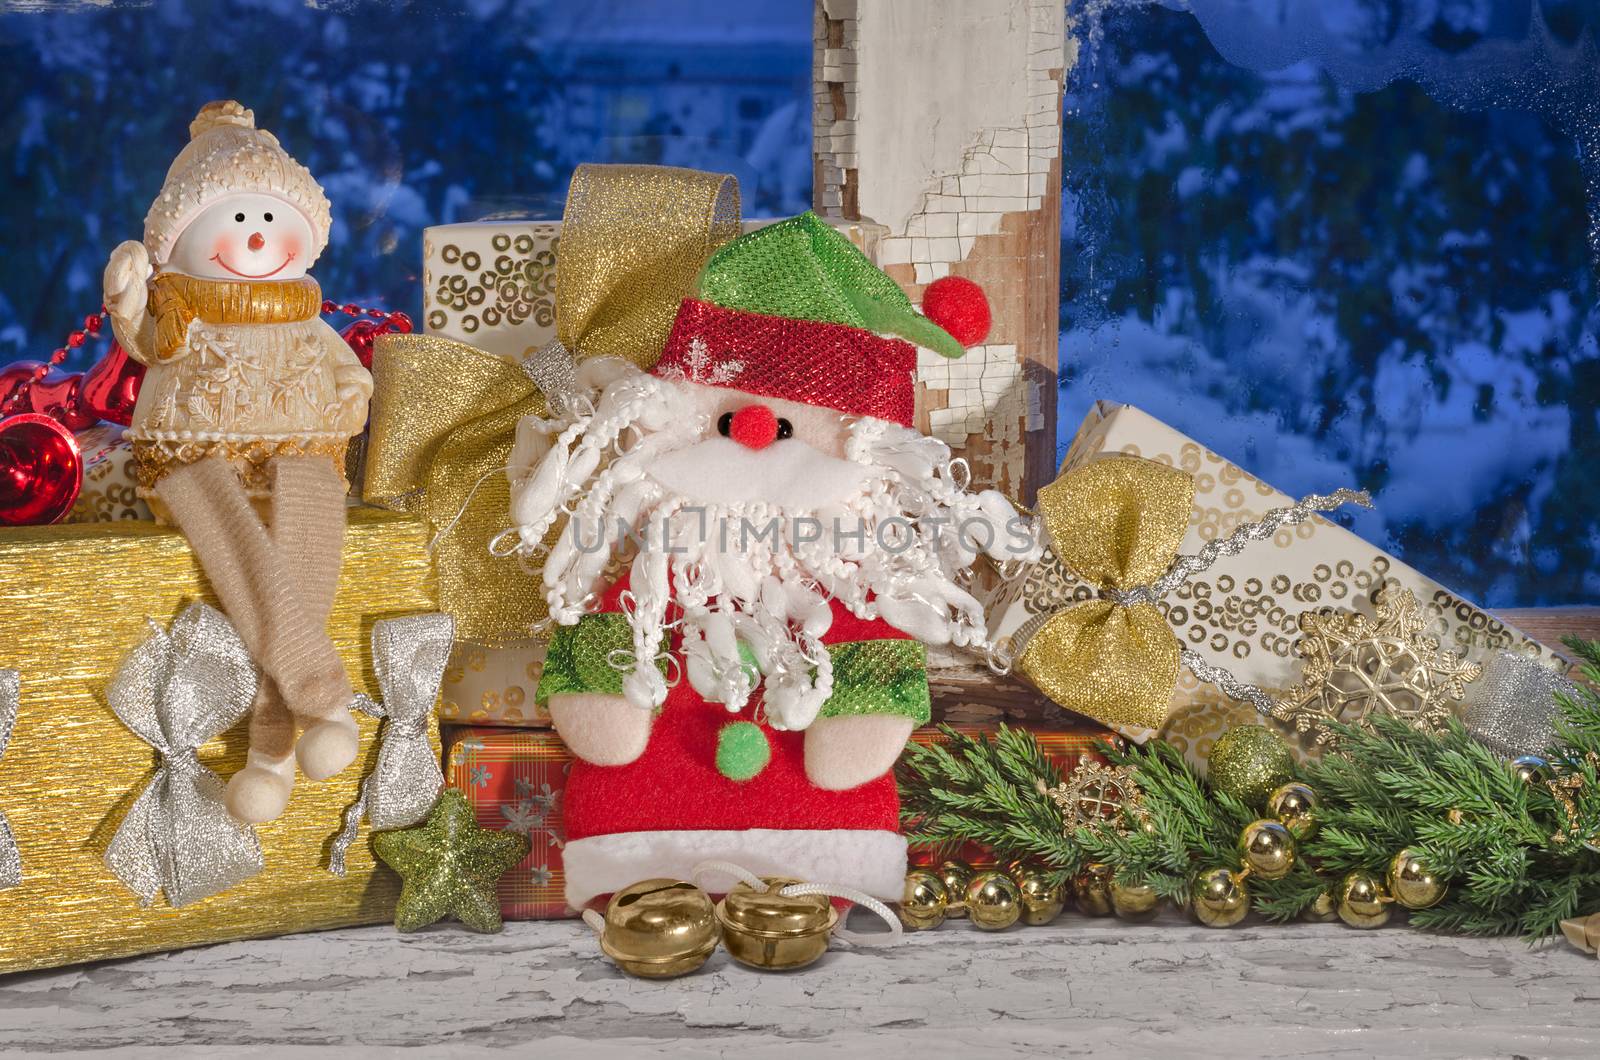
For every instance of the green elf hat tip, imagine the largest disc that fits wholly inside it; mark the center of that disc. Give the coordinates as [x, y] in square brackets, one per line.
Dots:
[805, 269]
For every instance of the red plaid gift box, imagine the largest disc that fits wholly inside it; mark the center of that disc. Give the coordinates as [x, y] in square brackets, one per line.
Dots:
[1065, 747]
[514, 779]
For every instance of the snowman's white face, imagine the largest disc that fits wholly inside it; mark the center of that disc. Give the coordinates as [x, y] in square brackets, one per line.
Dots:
[245, 237]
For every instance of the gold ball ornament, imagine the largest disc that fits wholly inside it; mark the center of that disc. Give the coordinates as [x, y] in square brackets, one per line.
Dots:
[659, 929]
[1294, 805]
[1362, 901]
[1267, 849]
[923, 902]
[1323, 910]
[1412, 884]
[955, 875]
[1248, 762]
[1091, 889]
[994, 901]
[1530, 769]
[1042, 901]
[1220, 898]
[1134, 901]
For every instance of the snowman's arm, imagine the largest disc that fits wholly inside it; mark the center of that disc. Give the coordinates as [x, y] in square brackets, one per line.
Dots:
[127, 300]
[348, 374]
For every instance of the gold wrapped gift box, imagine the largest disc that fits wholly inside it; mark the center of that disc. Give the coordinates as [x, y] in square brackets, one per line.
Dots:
[73, 601]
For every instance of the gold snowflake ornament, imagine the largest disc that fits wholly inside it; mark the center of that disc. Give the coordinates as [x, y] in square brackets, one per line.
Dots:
[1356, 667]
[1097, 795]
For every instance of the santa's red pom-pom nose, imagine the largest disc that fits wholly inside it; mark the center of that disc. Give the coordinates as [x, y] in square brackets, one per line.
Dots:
[754, 426]
[959, 306]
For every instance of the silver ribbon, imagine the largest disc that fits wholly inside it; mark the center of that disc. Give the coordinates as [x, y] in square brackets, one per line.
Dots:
[10, 856]
[409, 657]
[1513, 707]
[176, 691]
[554, 370]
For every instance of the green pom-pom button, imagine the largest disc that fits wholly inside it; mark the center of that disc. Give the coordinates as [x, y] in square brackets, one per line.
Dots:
[742, 750]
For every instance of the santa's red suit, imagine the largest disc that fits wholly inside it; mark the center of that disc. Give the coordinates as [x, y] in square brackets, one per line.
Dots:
[670, 809]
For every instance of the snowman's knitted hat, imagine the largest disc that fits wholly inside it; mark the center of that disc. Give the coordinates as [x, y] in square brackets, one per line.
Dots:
[228, 155]
[795, 311]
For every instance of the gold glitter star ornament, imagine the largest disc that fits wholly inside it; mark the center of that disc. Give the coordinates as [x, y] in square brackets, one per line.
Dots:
[1356, 667]
[450, 866]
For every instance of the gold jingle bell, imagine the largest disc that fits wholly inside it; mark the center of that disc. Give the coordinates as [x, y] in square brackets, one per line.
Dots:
[1294, 805]
[1091, 888]
[1267, 849]
[1412, 883]
[994, 901]
[1362, 903]
[1220, 898]
[1042, 901]
[923, 902]
[1324, 909]
[770, 930]
[1134, 901]
[955, 875]
[659, 929]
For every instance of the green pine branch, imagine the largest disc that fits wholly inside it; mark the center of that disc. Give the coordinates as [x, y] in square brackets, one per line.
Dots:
[1504, 846]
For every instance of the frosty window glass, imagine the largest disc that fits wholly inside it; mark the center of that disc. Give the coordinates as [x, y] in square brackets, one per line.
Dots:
[1353, 242]
[410, 114]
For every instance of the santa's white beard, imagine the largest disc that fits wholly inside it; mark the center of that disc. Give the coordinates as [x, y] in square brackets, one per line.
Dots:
[750, 545]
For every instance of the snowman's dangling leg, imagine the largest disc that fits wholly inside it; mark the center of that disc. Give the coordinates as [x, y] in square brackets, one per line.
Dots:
[260, 591]
[308, 521]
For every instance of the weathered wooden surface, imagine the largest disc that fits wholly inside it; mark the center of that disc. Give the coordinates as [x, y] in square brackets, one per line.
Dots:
[1080, 986]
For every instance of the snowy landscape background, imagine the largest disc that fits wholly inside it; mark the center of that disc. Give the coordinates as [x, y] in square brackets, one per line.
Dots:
[1340, 243]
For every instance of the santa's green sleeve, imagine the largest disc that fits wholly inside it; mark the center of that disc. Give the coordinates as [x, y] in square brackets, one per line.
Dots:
[879, 677]
[869, 676]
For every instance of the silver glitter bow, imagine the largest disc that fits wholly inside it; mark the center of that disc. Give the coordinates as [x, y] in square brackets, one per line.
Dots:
[176, 691]
[1513, 707]
[10, 856]
[409, 656]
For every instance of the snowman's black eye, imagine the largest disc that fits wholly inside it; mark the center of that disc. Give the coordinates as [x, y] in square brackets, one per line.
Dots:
[785, 429]
[267, 217]
[239, 217]
[725, 424]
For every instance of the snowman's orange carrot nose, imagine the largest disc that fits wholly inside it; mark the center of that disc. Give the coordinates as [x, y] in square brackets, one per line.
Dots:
[256, 241]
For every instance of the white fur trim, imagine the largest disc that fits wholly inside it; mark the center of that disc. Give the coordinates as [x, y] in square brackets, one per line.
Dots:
[869, 860]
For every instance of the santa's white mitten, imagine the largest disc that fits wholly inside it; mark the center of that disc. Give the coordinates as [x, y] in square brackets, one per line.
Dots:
[602, 729]
[849, 750]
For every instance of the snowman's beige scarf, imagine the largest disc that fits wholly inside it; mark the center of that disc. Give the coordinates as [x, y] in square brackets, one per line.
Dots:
[176, 301]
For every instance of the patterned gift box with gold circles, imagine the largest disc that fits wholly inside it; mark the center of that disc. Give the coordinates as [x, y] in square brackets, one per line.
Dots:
[1244, 613]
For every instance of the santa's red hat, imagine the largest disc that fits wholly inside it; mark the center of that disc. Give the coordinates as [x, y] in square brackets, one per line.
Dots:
[795, 311]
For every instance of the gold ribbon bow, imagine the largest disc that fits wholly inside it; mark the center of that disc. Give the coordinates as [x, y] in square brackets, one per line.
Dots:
[444, 413]
[1583, 932]
[1117, 523]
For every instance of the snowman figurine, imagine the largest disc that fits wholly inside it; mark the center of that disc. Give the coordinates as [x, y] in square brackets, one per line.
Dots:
[248, 402]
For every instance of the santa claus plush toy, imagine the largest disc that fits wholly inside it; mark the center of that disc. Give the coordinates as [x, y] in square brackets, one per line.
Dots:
[757, 549]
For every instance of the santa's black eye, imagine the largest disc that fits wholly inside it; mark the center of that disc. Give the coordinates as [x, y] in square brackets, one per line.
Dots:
[267, 217]
[239, 217]
[725, 424]
[785, 429]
